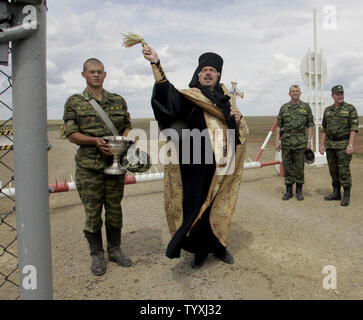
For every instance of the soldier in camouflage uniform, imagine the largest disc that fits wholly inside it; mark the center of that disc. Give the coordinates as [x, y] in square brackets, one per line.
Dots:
[339, 127]
[293, 119]
[85, 128]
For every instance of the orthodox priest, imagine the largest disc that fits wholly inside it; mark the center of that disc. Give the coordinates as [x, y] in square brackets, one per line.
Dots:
[199, 199]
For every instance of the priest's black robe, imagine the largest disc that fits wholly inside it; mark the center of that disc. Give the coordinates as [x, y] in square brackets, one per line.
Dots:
[171, 107]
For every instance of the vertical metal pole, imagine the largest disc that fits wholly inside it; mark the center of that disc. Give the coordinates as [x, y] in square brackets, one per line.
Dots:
[31, 161]
[310, 75]
[321, 85]
[316, 85]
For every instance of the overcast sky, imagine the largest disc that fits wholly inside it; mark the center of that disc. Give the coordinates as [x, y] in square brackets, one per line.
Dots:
[262, 43]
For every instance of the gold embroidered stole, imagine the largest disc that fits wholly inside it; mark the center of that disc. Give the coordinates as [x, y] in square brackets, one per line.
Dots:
[224, 189]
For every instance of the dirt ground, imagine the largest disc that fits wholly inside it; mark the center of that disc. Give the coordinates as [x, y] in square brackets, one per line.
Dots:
[280, 247]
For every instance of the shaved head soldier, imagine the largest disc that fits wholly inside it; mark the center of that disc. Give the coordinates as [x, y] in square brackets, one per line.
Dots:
[96, 189]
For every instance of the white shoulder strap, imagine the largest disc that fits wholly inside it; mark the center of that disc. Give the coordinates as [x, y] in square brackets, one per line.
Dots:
[104, 117]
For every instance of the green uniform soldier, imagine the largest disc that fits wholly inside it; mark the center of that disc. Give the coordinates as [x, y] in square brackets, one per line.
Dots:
[85, 128]
[339, 127]
[292, 121]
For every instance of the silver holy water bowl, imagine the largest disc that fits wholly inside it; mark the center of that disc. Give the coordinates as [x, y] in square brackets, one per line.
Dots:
[119, 146]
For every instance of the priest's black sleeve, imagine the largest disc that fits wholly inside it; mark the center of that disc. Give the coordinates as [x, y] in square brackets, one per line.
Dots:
[169, 105]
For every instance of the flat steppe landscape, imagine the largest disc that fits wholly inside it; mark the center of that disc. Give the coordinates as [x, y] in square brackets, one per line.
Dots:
[281, 248]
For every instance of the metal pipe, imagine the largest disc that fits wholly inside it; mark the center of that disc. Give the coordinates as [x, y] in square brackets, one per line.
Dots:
[316, 85]
[310, 84]
[321, 109]
[17, 32]
[71, 186]
[138, 178]
[148, 177]
[270, 163]
[31, 161]
[266, 140]
[252, 165]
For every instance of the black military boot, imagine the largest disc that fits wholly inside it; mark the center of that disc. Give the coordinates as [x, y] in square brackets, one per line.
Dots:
[335, 195]
[98, 266]
[346, 196]
[299, 193]
[113, 247]
[199, 258]
[225, 256]
[288, 193]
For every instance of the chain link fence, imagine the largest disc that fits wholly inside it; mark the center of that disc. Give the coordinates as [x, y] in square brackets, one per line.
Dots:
[9, 275]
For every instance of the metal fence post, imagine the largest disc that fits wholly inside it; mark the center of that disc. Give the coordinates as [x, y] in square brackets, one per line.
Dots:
[31, 159]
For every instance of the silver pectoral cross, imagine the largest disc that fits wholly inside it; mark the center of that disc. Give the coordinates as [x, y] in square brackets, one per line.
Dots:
[234, 93]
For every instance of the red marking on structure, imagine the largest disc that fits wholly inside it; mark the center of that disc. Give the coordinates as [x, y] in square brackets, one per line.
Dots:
[59, 187]
[259, 154]
[267, 139]
[130, 179]
[270, 163]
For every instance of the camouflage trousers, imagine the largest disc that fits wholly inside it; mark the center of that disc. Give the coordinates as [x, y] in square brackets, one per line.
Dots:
[97, 190]
[293, 164]
[339, 166]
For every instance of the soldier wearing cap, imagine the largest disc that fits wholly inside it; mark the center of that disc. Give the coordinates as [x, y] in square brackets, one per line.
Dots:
[339, 127]
[293, 119]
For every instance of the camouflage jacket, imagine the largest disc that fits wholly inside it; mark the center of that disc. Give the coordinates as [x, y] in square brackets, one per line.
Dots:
[80, 116]
[293, 120]
[338, 123]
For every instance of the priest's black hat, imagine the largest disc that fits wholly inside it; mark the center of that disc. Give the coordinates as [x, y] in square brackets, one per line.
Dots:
[208, 59]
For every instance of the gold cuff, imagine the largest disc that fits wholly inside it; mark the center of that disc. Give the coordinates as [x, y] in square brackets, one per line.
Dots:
[158, 71]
